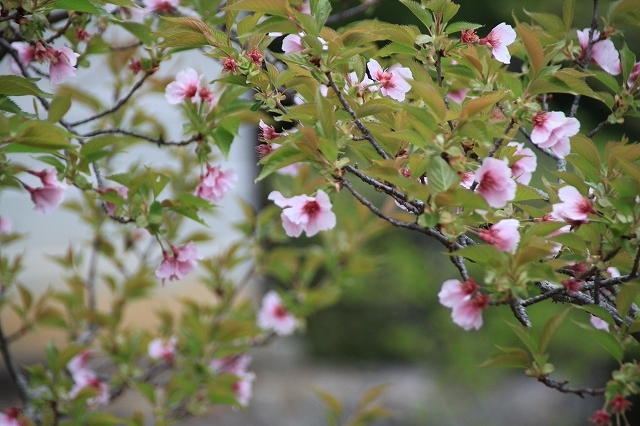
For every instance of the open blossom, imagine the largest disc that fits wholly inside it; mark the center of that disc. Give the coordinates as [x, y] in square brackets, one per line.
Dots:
[5, 225]
[603, 52]
[455, 292]
[552, 130]
[457, 95]
[273, 315]
[393, 81]
[503, 235]
[159, 349]
[215, 183]
[305, 213]
[85, 379]
[187, 85]
[164, 6]
[62, 64]
[495, 183]
[178, 264]
[573, 208]
[10, 418]
[498, 39]
[523, 168]
[468, 314]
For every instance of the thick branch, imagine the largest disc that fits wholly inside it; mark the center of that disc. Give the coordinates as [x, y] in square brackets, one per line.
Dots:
[520, 312]
[12, 368]
[367, 134]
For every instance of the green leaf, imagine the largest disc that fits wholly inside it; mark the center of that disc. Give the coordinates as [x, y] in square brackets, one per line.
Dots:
[13, 85]
[480, 253]
[81, 6]
[332, 402]
[419, 11]
[586, 149]
[527, 335]
[223, 139]
[41, 134]
[283, 156]
[142, 32]
[626, 296]
[440, 174]
[271, 7]
[461, 25]
[58, 108]
[475, 106]
[568, 10]
[508, 357]
[550, 329]
[549, 21]
[524, 192]
[605, 339]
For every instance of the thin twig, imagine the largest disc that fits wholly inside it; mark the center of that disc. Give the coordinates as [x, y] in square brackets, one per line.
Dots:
[60, 31]
[367, 134]
[350, 13]
[587, 55]
[158, 141]
[498, 143]
[562, 387]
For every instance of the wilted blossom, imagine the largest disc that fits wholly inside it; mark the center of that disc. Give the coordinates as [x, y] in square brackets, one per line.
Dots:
[503, 235]
[454, 292]
[10, 418]
[5, 225]
[498, 39]
[574, 207]
[163, 6]
[523, 168]
[552, 130]
[393, 81]
[179, 263]
[256, 56]
[598, 323]
[457, 95]
[603, 52]
[601, 418]
[82, 34]
[305, 213]
[161, 349]
[215, 183]
[495, 183]
[469, 36]
[229, 63]
[273, 315]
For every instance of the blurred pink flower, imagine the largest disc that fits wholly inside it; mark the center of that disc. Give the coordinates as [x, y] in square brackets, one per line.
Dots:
[633, 77]
[304, 7]
[176, 266]
[215, 183]
[46, 198]
[552, 130]
[159, 349]
[467, 179]
[455, 292]
[79, 363]
[292, 43]
[232, 364]
[206, 95]
[458, 95]
[87, 378]
[498, 39]
[613, 272]
[503, 235]
[601, 418]
[598, 323]
[573, 208]
[273, 315]
[523, 168]
[10, 418]
[186, 86]
[5, 225]
[393, 81]
[161, 6]
[495, 183]
[267, 133]
[603, 52]
[243, 388]
[305, 213]
[62, 64]
[468, 314]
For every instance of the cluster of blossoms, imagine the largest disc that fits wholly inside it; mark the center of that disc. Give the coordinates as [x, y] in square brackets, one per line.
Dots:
[84, 377]
[305, 213]
[465, 301]
[47, 197]
[215, 183]
[188, 85]
[236, 365]
[160, 349]
[179, 263]
[62, 62]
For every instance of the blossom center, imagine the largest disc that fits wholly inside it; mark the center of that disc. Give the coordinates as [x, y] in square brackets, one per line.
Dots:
[280, 312]
[385, 77]
[539, 118]
[311, 208]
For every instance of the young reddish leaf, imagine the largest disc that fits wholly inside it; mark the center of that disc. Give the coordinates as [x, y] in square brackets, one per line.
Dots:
[533, 47]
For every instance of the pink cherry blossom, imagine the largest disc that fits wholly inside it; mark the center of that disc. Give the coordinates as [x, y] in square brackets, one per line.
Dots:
[273, 315]
[468, 314]
[5, 225]
[45, 199]
[206, 95]
[503, 235]
[498, 39]
[458, 95]
[26, 53]
[267, 133]
[178, 264]
[243, 388]
[552, 130]
[305, 213]
[495, 183]
[186, 86]
[361, 87]
[10, 418]
[292, 43]
[603, 52]
[62, 64]
[455, 292]
[598, 323]
[87, 378]
[304, 7]
[523, 168]
[633, 77]
[574, 207]
[232, 364]
[161, 6]
[215, 183]
[393, 81]
[79, 363]
[161, 349]
[613, 272]
[467, 179]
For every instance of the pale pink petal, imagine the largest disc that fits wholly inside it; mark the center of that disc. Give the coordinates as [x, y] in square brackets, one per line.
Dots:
[598, 323]
[495, 182]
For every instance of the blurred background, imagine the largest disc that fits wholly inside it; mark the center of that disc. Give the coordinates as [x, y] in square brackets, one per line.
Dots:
[388, 326]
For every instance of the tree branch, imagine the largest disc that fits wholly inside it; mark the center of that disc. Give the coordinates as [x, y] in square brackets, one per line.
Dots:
[354, 11]
[562, 387]
[587, 55]
[14, 372]
[158, 141]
